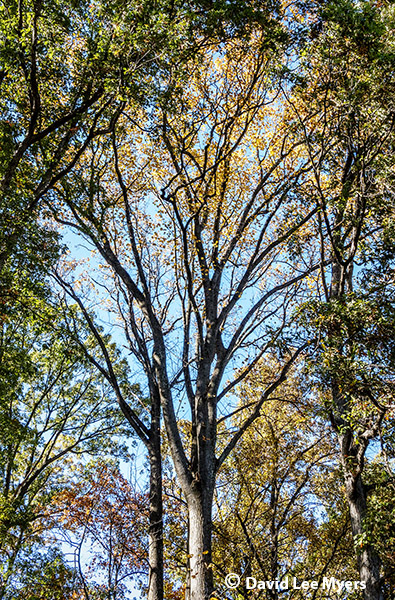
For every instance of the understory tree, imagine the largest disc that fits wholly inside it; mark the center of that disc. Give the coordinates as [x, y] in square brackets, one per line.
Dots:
[53, 407]
[103, 520]
[279, 510]
[280, 485]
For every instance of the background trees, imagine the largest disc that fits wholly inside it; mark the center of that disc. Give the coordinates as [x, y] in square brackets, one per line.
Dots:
[272, 488]
[53, 407]
[104, 520]
[242, 211]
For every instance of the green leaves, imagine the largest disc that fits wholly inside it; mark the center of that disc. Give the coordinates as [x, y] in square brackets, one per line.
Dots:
[53, 406]
[357, 23]
[355, 342]
[43, 575]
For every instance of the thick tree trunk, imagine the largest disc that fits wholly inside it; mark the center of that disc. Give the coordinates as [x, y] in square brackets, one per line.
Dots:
[199, 546]
[368, 561]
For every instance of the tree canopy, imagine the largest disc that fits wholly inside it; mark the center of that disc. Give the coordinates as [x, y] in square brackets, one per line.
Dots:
[229, 169]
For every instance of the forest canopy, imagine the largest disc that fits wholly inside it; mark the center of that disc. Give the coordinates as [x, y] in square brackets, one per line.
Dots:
[197, 312]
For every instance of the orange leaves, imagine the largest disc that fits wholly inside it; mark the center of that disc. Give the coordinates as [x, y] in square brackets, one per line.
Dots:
[103, 515]
[102, 490]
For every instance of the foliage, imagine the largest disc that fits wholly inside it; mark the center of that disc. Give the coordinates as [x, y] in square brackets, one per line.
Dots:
[43, 576]
[105, 521]
[232, 165]
[66, 71]
[53, 406]
[354, 342]
[380, 521]
[281, 485]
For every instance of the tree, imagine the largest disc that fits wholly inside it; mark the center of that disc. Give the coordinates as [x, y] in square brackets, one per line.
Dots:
[281, 486]
[379, 521]
[144, 423]
[62, 91]
[66, 70]
[53, 406]
[105, 520]
[352, 317]
[272, 490]
[193, 227]
[43, 577]
[279, 505]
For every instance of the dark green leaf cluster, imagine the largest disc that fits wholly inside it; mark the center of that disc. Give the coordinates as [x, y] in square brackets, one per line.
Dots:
[354, 340]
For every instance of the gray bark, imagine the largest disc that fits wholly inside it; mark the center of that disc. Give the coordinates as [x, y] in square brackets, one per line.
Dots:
[199, 545]
[155, 534]
[368, 560]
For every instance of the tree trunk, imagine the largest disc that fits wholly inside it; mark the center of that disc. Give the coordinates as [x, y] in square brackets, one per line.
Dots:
[155, 533]
[368, 561]
[351, 456]
[199, 545]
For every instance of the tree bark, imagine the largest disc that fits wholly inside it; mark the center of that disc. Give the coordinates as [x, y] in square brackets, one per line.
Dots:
[352, 452]
[199, 545]
[155, 533]
[368, 560]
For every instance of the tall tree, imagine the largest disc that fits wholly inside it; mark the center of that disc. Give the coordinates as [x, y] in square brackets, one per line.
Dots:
[144, 423]
[61, 90]
[352, 320]
[221, 225]
[194, 226]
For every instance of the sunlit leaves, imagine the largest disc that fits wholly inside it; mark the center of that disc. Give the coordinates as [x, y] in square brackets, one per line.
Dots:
[104, 519]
